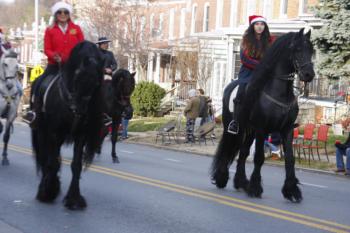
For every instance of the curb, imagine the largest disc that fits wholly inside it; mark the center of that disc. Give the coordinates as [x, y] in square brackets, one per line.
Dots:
[297, 168]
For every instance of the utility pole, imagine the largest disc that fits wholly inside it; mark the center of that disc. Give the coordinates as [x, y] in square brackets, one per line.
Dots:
[36, 46]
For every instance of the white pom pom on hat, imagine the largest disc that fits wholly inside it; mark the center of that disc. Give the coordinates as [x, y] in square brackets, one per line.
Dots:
[61, 5]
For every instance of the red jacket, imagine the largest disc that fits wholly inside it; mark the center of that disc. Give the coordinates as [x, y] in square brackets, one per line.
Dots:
[56, 42]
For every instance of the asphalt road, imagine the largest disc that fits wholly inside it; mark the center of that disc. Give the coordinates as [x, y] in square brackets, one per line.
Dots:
[155, 190]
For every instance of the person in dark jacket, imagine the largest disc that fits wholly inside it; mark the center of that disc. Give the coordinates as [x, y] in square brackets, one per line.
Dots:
[343, 149]
[127, 115]
[110, 62]
[203, 106]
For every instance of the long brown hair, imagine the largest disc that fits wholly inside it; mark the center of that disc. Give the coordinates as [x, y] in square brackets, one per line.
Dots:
[256, 48]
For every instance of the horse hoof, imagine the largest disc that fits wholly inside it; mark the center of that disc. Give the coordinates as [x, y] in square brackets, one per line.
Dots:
[292, 192]
[240, 183]
[48, 190]
[220, 179]
[254, 189]
[75, 203]
[5, 162]
[116, 160]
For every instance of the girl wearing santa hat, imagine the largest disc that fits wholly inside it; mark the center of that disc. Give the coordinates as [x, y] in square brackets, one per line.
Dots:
[256, 40]
[59, 40]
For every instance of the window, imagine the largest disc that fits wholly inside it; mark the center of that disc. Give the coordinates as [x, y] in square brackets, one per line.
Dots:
[251, 7]
[125, 30]
[303, 7]
[284, 8]
[171, 23]
[182, 22]
[160, 28]
[219, 9]
[193, 19]
[267, 9]
[206, 17]
[151, 25]
[142, 28]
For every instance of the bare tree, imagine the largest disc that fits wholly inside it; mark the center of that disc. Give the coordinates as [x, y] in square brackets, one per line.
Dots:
[193, 66]
[125, 24]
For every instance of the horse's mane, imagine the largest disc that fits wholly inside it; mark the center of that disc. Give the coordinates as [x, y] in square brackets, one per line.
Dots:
[278, 50]
[11, 54]
[81, 50]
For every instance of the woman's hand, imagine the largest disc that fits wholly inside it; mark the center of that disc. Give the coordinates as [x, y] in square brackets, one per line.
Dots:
[57, 58]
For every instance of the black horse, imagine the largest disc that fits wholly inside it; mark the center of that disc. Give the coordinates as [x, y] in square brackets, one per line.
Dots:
[71, 113]
[116, 95]
[269, 105]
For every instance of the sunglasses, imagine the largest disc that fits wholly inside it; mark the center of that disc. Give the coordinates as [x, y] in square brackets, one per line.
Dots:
[62, 12]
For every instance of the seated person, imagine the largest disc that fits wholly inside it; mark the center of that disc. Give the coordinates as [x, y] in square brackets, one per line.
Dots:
[274, 143]
[343, 149]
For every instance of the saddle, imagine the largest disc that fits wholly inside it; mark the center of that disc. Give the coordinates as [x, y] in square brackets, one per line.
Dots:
[41, 92]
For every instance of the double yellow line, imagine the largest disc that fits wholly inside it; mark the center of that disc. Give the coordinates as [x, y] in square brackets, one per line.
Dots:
[214, 197]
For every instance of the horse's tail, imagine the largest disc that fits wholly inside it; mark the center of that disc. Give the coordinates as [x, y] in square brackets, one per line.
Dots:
[228, 146]
[224, 156]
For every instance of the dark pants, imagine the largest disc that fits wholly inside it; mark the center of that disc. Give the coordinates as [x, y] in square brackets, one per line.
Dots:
[238, 101]
[190, 129]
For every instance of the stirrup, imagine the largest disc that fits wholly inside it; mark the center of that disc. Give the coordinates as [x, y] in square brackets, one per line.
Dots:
[234, 132]
[29, 121]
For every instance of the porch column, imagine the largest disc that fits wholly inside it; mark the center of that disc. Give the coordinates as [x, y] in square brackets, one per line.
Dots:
[157, 73]
[230, 59]
[150, 67]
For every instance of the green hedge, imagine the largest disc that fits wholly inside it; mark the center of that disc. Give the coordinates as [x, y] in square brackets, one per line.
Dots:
[146, 98]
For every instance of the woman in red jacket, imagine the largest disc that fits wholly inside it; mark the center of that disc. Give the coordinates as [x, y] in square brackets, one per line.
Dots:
[59, 40]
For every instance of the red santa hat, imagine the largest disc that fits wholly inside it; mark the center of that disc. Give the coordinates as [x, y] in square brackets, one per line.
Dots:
[256, 18]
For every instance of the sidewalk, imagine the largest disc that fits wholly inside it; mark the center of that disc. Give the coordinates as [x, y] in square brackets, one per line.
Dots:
[148, 138]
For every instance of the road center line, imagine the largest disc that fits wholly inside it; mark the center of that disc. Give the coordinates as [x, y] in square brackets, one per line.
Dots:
[314, 185]
[173, 160]
[127, 152]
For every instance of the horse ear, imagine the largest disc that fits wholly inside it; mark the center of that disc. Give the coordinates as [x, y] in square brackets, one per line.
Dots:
[308, 35]
[133, 74]
[301, 32]
[4, 50]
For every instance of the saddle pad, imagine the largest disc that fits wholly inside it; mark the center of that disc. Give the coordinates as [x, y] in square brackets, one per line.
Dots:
[232, 97]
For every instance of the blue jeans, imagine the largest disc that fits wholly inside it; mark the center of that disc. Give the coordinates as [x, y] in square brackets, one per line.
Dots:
[125, 124]
[272, 147]
[340, 161]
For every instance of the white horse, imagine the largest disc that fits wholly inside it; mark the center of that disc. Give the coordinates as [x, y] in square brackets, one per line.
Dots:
[10, 95]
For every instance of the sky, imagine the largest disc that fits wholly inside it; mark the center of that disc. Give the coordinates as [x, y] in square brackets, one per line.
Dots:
[6, 1]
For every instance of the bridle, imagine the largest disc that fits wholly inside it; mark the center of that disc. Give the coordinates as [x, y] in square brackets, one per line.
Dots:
[288, 77]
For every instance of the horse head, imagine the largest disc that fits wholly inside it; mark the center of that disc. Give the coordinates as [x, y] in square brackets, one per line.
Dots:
[302, 52]
[83, 74]
[9, 64]
[123, 84]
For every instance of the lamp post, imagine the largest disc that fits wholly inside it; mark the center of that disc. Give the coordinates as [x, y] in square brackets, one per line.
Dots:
[36, 33]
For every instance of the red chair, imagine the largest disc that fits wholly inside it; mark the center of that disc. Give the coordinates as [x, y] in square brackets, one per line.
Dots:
[308, 139]
[321, 140]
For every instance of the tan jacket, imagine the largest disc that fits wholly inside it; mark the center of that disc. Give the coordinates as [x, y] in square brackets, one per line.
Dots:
[192, 108]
